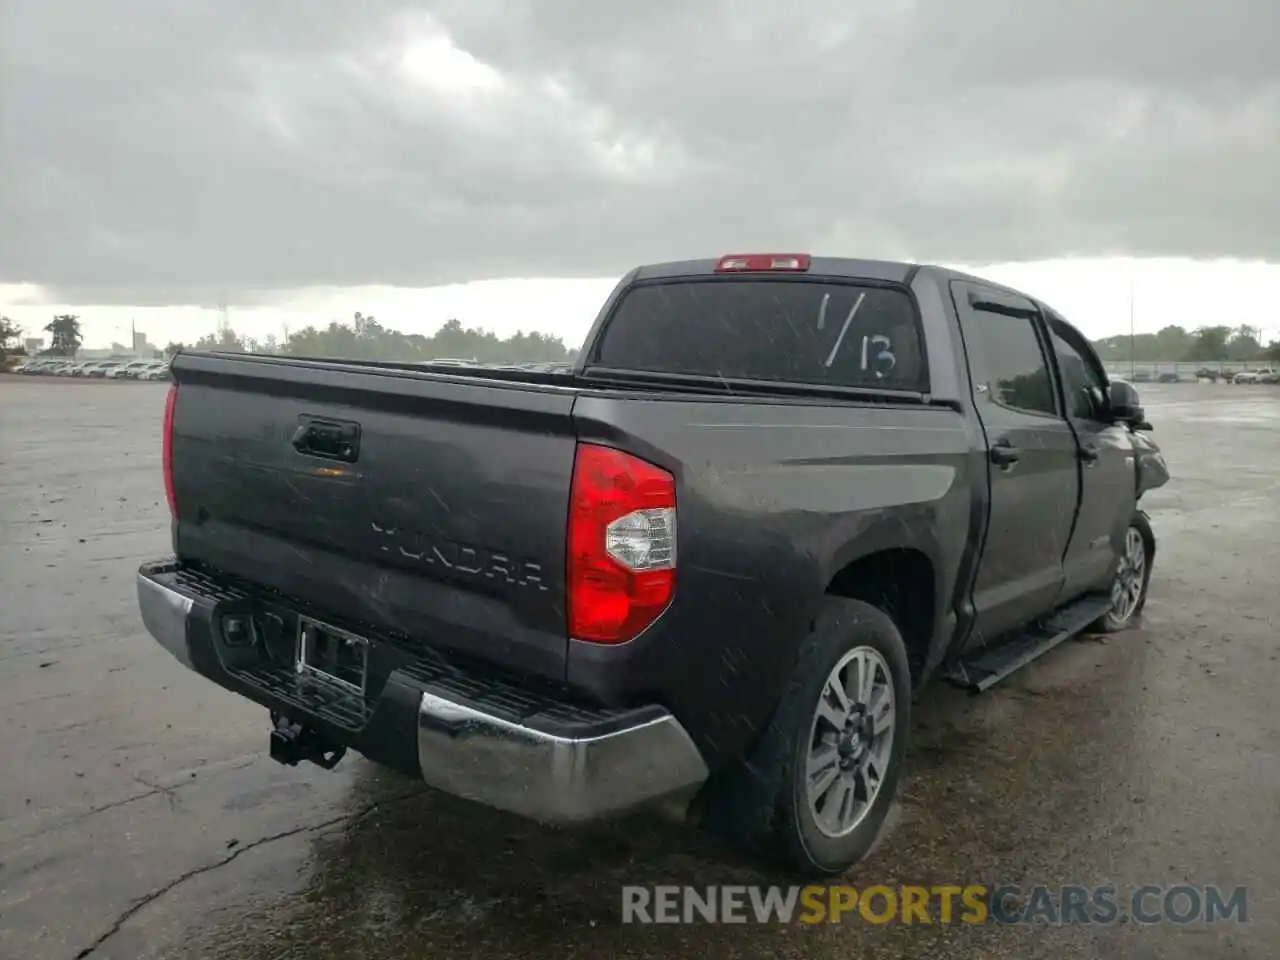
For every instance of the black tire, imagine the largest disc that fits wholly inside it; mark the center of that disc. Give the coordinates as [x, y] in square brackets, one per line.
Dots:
[1109, 622]
[762, 805]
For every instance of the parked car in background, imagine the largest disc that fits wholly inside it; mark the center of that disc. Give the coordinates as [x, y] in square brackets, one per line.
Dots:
[1254, 376]
[36, 365]
[1168, 377]
[103, 368]
[1204, 373]
[147, 366]
[160, 371]
[126, 371]
[1269, 376]
[450, 362]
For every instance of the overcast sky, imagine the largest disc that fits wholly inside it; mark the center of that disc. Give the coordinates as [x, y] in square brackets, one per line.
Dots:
[178, 153]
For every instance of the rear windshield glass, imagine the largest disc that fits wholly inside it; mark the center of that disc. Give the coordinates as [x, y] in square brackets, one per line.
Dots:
[790, 331]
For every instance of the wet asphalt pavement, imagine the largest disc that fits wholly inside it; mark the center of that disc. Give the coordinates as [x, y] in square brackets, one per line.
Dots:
[140, 816]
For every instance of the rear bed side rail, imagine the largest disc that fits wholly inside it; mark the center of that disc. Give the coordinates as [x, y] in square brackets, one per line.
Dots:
[483, 388]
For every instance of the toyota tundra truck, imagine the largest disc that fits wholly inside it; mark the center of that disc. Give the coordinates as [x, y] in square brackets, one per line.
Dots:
[711, 565]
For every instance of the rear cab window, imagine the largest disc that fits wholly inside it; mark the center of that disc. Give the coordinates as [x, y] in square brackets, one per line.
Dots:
[804, 331]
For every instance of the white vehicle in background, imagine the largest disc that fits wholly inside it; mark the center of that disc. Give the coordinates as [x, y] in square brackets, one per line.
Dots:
[158, 370]
[450, 362]
[33, 366]
[126, 370]
[1255, 376]
[103, 369]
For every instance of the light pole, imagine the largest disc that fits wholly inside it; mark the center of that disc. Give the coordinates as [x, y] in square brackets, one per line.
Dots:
[1131, 330]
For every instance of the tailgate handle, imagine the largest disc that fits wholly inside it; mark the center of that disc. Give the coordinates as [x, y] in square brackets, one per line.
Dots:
[329, 439]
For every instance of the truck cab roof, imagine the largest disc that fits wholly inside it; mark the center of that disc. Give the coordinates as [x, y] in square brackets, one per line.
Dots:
[850, 268]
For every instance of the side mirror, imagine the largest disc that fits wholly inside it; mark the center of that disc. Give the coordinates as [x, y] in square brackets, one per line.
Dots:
[1122, 402]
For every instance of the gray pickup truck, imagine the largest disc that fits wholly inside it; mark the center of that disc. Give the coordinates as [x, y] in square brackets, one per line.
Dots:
[711, 563]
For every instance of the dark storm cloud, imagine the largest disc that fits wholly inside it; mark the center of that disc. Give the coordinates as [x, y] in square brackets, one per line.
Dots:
[158, 152]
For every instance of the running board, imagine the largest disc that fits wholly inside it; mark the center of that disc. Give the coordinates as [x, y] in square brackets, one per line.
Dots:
[988, 667]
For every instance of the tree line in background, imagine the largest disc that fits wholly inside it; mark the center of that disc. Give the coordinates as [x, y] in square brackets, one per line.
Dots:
[1205, 344]
[361, 339]
[364, 338]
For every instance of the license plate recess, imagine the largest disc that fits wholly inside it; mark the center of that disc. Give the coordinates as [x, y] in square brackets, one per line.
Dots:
[331, 655]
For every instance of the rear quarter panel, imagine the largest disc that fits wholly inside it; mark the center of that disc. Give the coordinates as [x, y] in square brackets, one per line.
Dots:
[774, 498]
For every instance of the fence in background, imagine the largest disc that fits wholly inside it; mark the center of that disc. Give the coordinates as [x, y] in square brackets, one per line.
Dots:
[1184, 369]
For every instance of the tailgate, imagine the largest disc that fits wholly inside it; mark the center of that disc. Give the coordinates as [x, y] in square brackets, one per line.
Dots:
[429, 506]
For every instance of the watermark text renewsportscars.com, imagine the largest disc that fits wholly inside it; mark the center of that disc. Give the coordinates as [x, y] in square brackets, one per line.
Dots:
[940, 904]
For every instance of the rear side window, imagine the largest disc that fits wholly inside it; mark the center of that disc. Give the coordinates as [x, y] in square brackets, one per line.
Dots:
[785, 331]
[1006, 360]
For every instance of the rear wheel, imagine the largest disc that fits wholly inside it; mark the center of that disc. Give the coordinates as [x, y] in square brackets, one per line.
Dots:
[1129, 587]
[816, 789]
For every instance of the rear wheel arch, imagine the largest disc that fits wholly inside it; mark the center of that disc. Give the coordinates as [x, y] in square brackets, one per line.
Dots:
[902, 582]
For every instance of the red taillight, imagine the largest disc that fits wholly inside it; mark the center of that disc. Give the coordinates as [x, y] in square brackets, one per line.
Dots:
[775, 262]
[622, 544]
[166, 450]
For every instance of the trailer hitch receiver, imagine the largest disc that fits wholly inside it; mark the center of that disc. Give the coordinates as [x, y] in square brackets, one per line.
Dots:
[291, 743]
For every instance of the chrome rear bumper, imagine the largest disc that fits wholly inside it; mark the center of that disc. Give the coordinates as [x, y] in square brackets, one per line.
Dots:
[550, 772]
[550, 777]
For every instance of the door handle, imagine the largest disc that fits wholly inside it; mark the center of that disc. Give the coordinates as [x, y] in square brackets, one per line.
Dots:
[1005, 454]
[329, 439]
[1090, 453]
